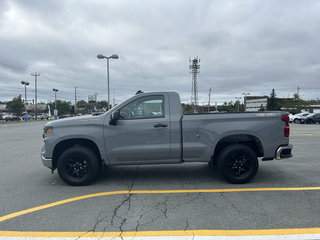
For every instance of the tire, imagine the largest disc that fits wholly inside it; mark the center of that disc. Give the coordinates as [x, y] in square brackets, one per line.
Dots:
[78, 166]
[296, 121]
[237, 163]
[309, 121]
[210, 164]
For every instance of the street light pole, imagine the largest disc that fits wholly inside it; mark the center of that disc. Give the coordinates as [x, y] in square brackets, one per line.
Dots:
[113, 56]
[55, 102]
[25, 95]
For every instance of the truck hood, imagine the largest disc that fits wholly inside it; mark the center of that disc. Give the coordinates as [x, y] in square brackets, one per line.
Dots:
[81, 120]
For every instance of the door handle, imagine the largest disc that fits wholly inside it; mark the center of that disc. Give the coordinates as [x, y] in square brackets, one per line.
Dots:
[160, 125]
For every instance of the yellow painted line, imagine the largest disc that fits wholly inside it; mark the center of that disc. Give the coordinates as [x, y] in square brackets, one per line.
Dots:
[163, 233]
[45, 206]
[306, 134]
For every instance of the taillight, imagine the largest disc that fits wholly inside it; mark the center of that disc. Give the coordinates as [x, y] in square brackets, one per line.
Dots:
[287, 126]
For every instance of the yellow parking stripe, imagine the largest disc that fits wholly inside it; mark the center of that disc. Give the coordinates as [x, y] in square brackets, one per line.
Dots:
[162, 233]
[304, 134]
[45, 206]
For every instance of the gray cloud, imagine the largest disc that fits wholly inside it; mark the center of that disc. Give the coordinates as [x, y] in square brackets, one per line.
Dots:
[244, 46]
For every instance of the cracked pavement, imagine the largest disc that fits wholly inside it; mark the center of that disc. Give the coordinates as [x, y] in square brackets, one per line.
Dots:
[30, 185]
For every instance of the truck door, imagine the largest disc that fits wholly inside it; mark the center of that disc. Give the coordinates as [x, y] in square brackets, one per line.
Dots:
[143, 132]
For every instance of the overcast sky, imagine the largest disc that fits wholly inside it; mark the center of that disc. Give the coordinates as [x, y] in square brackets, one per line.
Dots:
[244, 46]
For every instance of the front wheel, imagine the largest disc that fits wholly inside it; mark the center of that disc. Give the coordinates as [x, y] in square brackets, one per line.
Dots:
[78, 166]
[237, 163]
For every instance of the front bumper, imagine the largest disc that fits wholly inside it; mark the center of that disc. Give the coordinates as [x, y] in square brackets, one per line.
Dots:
[46, 162]
[284, 152]
[45, 158]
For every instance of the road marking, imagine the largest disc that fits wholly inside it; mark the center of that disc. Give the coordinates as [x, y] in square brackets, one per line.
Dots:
[315, 232]
[295, 233]
[305, 134]
[45, 206]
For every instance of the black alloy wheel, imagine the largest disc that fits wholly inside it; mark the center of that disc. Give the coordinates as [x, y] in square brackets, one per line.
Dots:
[237, 163]
[78, 166]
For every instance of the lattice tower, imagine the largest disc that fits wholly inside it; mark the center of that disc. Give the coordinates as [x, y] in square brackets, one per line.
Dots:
[194, 67]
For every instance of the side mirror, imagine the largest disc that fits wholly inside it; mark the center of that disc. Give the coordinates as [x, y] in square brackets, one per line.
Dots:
[114, 118]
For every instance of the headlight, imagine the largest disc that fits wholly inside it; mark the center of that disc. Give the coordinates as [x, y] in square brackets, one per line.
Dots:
[47, 130]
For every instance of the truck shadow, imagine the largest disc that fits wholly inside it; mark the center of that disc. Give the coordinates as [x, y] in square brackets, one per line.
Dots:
[193, 176]
[188, 175]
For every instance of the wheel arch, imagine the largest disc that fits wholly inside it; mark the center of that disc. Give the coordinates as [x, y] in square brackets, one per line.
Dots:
[248, 140]
[67, 143]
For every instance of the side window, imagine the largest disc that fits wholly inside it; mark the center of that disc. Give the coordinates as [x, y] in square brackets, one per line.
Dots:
[144, 107]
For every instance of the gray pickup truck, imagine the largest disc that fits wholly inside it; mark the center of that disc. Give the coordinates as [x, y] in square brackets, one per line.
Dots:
[150, 128]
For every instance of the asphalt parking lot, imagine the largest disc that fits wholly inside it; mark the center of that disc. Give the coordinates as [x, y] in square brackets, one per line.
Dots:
[173, 200]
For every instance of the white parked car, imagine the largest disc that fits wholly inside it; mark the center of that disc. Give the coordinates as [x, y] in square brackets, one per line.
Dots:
[290, 117]
[296, 118]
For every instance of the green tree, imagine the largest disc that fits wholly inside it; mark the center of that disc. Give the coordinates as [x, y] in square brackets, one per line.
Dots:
[16, 106]
[187, 108]
[229, 107]
[273, 103]
[261, 108]
[101, 104]
[296, 97]
[64, 107]
[83, 107]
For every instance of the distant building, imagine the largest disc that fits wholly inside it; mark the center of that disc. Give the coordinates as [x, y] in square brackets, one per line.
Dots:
[254, 103]
[313, 108]
[41, 107]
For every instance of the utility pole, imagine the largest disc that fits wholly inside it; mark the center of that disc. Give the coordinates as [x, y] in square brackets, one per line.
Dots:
[245, 100]
[75, 100]
[95, 101]
[209, 100]
[238, 101]
[298, 90]
[35, 92]
[55, 103]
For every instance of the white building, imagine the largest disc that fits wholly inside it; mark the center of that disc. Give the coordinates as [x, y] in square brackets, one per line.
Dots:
[254, 105]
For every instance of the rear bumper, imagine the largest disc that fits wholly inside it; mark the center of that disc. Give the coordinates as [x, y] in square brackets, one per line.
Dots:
[284, 152]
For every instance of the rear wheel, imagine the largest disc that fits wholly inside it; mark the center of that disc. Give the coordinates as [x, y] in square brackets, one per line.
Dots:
[309, 121]
[296, 121]
[78, 166]
[237, 163]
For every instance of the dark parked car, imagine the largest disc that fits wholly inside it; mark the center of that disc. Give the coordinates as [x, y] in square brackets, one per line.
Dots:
[312, 118]
[299, 118]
